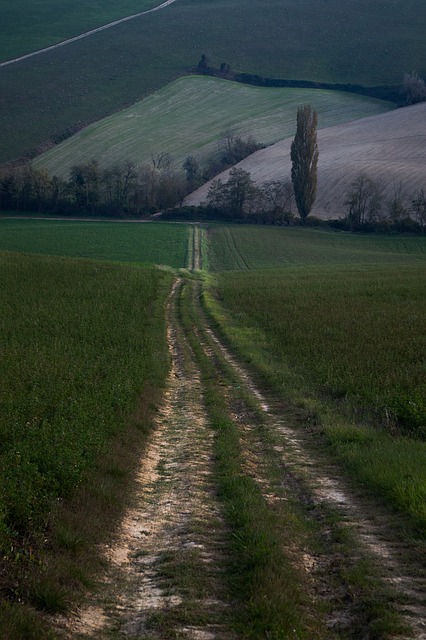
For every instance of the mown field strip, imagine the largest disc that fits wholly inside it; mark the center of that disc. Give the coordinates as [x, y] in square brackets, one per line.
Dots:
[191, 115]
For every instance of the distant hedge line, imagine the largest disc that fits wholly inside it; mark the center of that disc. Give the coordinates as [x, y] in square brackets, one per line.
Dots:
[391, 93]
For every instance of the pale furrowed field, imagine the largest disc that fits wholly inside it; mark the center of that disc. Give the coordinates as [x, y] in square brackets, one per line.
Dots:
[389, 148]
[344, 337]
[84, 356]
[191, 115]
[148, 243]
[46, 97]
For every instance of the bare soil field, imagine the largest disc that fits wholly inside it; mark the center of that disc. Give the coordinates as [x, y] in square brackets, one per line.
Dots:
[389, 148]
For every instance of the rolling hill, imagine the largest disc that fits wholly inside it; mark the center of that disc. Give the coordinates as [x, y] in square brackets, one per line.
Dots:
[52, 95]
[390, 148]
[190, 116]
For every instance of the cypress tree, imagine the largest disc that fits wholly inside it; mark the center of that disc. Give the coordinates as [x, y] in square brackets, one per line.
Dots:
[304, 158]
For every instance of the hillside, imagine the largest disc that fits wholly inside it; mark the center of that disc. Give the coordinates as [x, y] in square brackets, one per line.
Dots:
[189, 117]
[389, 148]
[47, 97]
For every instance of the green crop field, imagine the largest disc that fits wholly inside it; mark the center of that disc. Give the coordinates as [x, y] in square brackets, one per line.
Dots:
[247, 247]
[124, 242]
[26, 26]
[371, 43]
[82, 343]
[339, 328]
[189, 116]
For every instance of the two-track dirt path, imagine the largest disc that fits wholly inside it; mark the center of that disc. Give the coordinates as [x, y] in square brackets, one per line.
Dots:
[167, 568]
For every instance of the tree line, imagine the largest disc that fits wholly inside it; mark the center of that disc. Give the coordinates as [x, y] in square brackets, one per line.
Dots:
[369, 209]
[123, 189]
[411, 90]
[126, 189]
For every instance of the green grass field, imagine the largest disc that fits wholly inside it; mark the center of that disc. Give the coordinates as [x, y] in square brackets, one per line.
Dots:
[364, 42]
[189, 116]
[339, 329]
[143, 243]
[83, 358]
[26, 26]
[247, 247]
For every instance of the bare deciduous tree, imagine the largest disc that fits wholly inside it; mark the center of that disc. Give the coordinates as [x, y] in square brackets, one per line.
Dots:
[418, 205]
[276, 201]
[397, 204]
[414, 88]
[364, 200]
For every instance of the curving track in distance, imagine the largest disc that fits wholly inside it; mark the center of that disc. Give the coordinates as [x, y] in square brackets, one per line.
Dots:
[87, 33]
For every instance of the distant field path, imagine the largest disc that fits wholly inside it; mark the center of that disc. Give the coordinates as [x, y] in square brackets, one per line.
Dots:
[87, 34]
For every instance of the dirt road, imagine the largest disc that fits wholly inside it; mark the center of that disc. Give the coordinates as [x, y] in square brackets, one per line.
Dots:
[86, 34]
[167, 575]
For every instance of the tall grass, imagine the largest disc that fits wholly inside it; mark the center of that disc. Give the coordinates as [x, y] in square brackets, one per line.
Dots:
[355, 335]
[82, 342]
[344, 340]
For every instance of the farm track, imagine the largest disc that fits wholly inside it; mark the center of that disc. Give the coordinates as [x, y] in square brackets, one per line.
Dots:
[166, 575]
[166, 567]
[86, 34]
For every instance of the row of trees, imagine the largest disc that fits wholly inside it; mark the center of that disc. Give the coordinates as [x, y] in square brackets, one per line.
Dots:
[240, 199]
[121, 189]
[367, 207]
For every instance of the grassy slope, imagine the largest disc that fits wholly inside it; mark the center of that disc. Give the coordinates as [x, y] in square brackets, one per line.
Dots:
[339, 330]
[365, 42]
[26, 26]
[389, 148]
[123, 242]
[190, 115]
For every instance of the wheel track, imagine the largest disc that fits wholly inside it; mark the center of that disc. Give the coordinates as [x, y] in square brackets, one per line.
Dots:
[175, 520]
[319, 483]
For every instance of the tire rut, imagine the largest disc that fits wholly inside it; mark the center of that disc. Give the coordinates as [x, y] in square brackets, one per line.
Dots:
[310, 478]
[165, 575]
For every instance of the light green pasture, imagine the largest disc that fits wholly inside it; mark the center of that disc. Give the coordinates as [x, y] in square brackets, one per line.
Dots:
[190, 115]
